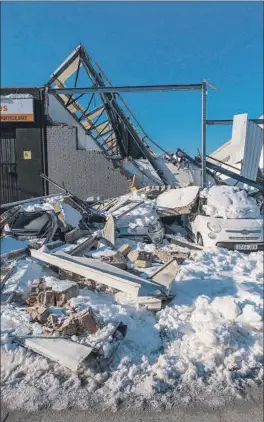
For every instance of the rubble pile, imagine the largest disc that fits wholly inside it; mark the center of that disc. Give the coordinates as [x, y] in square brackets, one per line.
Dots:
[125, 253]
[117, 246]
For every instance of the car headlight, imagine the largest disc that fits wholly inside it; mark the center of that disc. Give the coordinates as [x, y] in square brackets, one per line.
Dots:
[214, 227]
[212, 235]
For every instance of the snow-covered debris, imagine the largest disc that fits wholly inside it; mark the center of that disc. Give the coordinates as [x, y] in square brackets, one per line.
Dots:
[229, 202]
[24, 273]
[208, 342]
[178, 198]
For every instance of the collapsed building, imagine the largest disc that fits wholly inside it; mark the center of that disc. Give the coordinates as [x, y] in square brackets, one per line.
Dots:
[93, 145]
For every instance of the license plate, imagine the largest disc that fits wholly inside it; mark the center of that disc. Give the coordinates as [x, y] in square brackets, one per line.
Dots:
[246, 247]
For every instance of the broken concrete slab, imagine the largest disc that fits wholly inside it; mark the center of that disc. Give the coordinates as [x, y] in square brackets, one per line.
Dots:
[100, 272]
[73, 356]
[109, 230]
[148, 302]
[166, 274]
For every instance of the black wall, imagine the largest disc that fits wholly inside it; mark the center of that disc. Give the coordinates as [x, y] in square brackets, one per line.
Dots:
[24, 181]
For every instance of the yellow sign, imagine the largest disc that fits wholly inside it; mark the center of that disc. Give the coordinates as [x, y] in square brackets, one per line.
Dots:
[27, 155]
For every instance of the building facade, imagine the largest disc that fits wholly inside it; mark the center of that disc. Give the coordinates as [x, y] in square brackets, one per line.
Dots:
[39, 135]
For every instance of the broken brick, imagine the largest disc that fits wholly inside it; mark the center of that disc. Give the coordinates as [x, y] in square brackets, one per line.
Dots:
[52, 320]
[47, 298]
[80, 323]
[63, 297]
[40, 314]
[87, 321]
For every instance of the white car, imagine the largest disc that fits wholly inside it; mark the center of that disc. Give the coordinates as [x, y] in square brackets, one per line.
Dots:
[226, 217]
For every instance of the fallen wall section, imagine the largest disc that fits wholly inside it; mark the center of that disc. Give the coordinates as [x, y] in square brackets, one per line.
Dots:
[84, 173]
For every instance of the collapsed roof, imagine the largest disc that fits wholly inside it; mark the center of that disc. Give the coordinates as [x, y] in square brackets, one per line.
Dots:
[108, 120]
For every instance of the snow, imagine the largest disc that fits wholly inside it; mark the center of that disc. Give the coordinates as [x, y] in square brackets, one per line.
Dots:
[24, 273]
[175, 198]
[229, 202]
[139, 218]
[71, 215]
[206, 344]
[58, 285]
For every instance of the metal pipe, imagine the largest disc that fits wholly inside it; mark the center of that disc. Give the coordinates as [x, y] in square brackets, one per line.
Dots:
[127, 88]
[204, 178]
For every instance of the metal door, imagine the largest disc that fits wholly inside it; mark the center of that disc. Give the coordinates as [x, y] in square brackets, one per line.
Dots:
[29, 162]
[8, 170]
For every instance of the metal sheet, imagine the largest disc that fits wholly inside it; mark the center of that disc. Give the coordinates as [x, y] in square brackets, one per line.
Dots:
[253, 145]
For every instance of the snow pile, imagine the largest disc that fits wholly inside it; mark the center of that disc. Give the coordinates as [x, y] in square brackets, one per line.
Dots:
[178, 197]
[206, 344]
[23, 274]
[58, 285]
[229, 202]
[139, 217]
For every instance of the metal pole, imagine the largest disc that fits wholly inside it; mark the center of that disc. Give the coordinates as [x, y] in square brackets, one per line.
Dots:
[204, 178]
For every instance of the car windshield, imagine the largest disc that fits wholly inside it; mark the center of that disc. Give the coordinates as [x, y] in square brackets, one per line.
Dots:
[228, 202]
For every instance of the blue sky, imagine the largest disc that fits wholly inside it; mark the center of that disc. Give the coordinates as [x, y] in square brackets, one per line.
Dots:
[148, 43]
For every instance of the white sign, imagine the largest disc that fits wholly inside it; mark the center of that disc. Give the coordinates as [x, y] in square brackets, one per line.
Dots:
[16, 110]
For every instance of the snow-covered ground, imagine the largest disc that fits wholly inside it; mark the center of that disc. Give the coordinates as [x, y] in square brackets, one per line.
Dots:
[207, 344]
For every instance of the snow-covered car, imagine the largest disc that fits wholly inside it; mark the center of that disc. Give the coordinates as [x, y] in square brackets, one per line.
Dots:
[226, 216]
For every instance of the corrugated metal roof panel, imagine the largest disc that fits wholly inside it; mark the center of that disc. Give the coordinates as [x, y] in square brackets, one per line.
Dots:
[252, 151]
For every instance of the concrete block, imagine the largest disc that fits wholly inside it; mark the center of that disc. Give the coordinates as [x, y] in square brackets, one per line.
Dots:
[140, 263]
[125, 249]
[148, 302]
[136, 255]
